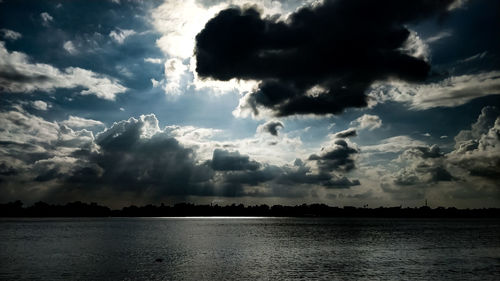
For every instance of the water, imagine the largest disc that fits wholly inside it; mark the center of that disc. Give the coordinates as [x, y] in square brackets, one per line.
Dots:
[249, 249]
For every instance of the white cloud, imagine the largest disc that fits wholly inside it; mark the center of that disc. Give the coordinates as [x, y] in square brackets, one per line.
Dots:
[70, 47]
[123, 70]
[79, 122]
[20, 75]
[393, 144]
[154, 60]
[10, 34]
[39, 152]
[484, 122]
[457, 4]
[437, 37]
[179, 22]
[155, 82]
[450, 92]
[367, 121]
[28, 134]
[415, 46]
[174, 72]
[284, 149]
[46, 18]
[475, 57]
[279, 150]
[119, 35]
[40, 105]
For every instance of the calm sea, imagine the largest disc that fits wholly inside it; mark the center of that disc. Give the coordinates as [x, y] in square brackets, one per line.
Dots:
[249, 249]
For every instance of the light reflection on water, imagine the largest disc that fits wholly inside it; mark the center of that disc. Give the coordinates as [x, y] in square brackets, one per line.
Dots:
[249, 249]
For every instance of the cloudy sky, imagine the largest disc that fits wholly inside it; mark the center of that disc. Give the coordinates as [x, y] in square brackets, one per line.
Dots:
[343, 102]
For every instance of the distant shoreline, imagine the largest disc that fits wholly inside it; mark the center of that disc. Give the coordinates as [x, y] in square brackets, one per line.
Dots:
[79, 209]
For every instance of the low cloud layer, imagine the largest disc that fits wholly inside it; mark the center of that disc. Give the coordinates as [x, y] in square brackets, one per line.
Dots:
[63, 160]
[135, 157]
[321, 60]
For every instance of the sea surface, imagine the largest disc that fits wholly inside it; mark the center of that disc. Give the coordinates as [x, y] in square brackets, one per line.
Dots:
[249, 249]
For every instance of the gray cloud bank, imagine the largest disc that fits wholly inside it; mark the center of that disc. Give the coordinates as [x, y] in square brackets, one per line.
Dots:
[471, 170]
[135, 157]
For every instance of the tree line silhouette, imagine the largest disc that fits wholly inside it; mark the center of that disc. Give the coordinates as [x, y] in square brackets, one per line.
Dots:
[80, 209]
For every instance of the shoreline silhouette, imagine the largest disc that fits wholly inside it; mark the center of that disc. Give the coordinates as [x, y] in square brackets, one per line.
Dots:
[81, 209]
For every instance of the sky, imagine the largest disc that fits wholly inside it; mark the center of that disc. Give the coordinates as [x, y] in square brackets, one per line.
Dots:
[341, 102]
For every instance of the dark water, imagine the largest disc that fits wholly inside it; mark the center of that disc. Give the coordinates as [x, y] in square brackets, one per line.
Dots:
[249, 249]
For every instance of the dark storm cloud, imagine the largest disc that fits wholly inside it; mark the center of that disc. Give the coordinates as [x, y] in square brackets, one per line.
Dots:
[337, 158]
[285, 181]
[223, 160]
[49, 175]
[440, 174]
[302, 174]
[158, 165]
[6, 170]
[341, 182]
[130, 161]
[341, 46]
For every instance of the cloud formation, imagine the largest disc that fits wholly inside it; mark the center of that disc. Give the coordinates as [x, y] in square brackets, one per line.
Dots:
[477, 151]
[422, 165]
[119, 35]
[367, 121]
[474, 163]
[63, 160]
[79, 122]
[272, 127]
[10, 34]
[46, 18]
[19, 75]
[70, 47]
[338, 157]
[40, 105]
[449, 92]
[346, 133]
[341, 47]
[224, 160]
